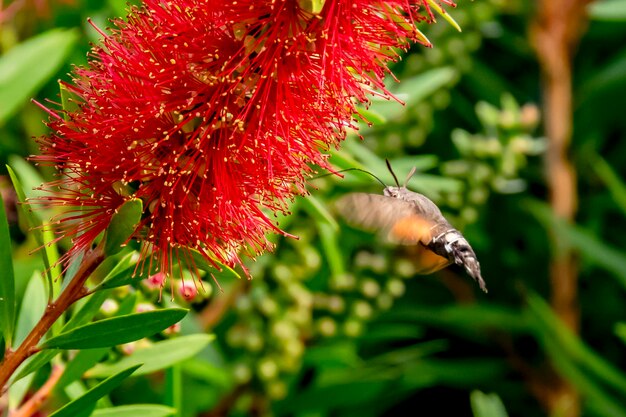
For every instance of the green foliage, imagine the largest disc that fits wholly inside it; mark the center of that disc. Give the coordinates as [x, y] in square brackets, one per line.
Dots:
[85, 404]
[158, 356]
[22, 71]
[7, 281]
[135, 410]
[336, 322]
[123, 225]
[116, 330]
[487, 405]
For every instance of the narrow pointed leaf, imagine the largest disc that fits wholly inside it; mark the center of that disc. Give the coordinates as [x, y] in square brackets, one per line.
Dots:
[158, 356]
[571, 348]
[85, 359]
[121, 274]
[203, 264]
[116, 330]
[84, 405]
[123, 225]
[32, 308]
[487, 405]
[24, 178]
[332, 251]
[318, 211]
[34, 363]
[23, 71]
[143, 410]
[610, 11]
[444, 14]
[87, 311]
[590, 246]
[7, 280]
[616, 186]
[69, 100]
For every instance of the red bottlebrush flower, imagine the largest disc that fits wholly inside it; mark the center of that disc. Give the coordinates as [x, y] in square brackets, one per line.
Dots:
[211, 111]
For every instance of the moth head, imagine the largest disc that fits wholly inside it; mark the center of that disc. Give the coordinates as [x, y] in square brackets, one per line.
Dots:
[392, 191]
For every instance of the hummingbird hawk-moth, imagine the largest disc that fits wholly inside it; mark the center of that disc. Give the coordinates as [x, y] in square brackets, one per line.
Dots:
[410, 218]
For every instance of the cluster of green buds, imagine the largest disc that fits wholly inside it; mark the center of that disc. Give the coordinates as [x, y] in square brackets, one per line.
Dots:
[491, 161]
[428, 77]
[298, 302]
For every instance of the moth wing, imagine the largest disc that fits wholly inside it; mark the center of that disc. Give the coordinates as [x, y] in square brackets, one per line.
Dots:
[396, 220]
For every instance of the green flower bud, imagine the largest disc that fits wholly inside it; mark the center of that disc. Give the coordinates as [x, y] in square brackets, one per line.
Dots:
[242, 373]
[362, 310]
[370, 288]
[327, 326]
[277, 390]
[395, 287]
[267, 368]
[353, 328]
[384, 301]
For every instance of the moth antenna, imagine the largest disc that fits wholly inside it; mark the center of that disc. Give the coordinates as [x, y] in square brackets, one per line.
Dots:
[408, 177]
[352, 169]
[392, 173]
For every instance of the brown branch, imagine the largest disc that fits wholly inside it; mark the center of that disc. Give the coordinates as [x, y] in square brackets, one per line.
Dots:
[74, 291]
[226, 403]
[213, 313]
[555, 34]
[35, 402]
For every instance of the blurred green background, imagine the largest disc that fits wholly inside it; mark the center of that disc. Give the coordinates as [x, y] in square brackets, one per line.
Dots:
[337, 323]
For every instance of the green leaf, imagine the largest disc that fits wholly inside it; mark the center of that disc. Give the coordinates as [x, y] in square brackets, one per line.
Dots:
[85, 359]
[612, 11]
[443, 13]
[609, 77]
[34, 363]
[18, 391]
[587, 243]
[611, 179]
[312, 6]
[23, 71]
[214, 267]
[7, 280]
[137, 410]
[116, 330]
[31, 178]
[318, 211]
[330, 246]
[69, 100]
[158, 356]
[487, 405]
[620, 331]
[174, 389]
[84, 405]
[123, 225]
[393, 331]
[597, 397]
[120, 7]
[121, 274]
[89, 308]
[372, 117]
[32, 308]
[454, 372]
[213, 374]
[466, 318]
[568, 346]
[412, 91]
